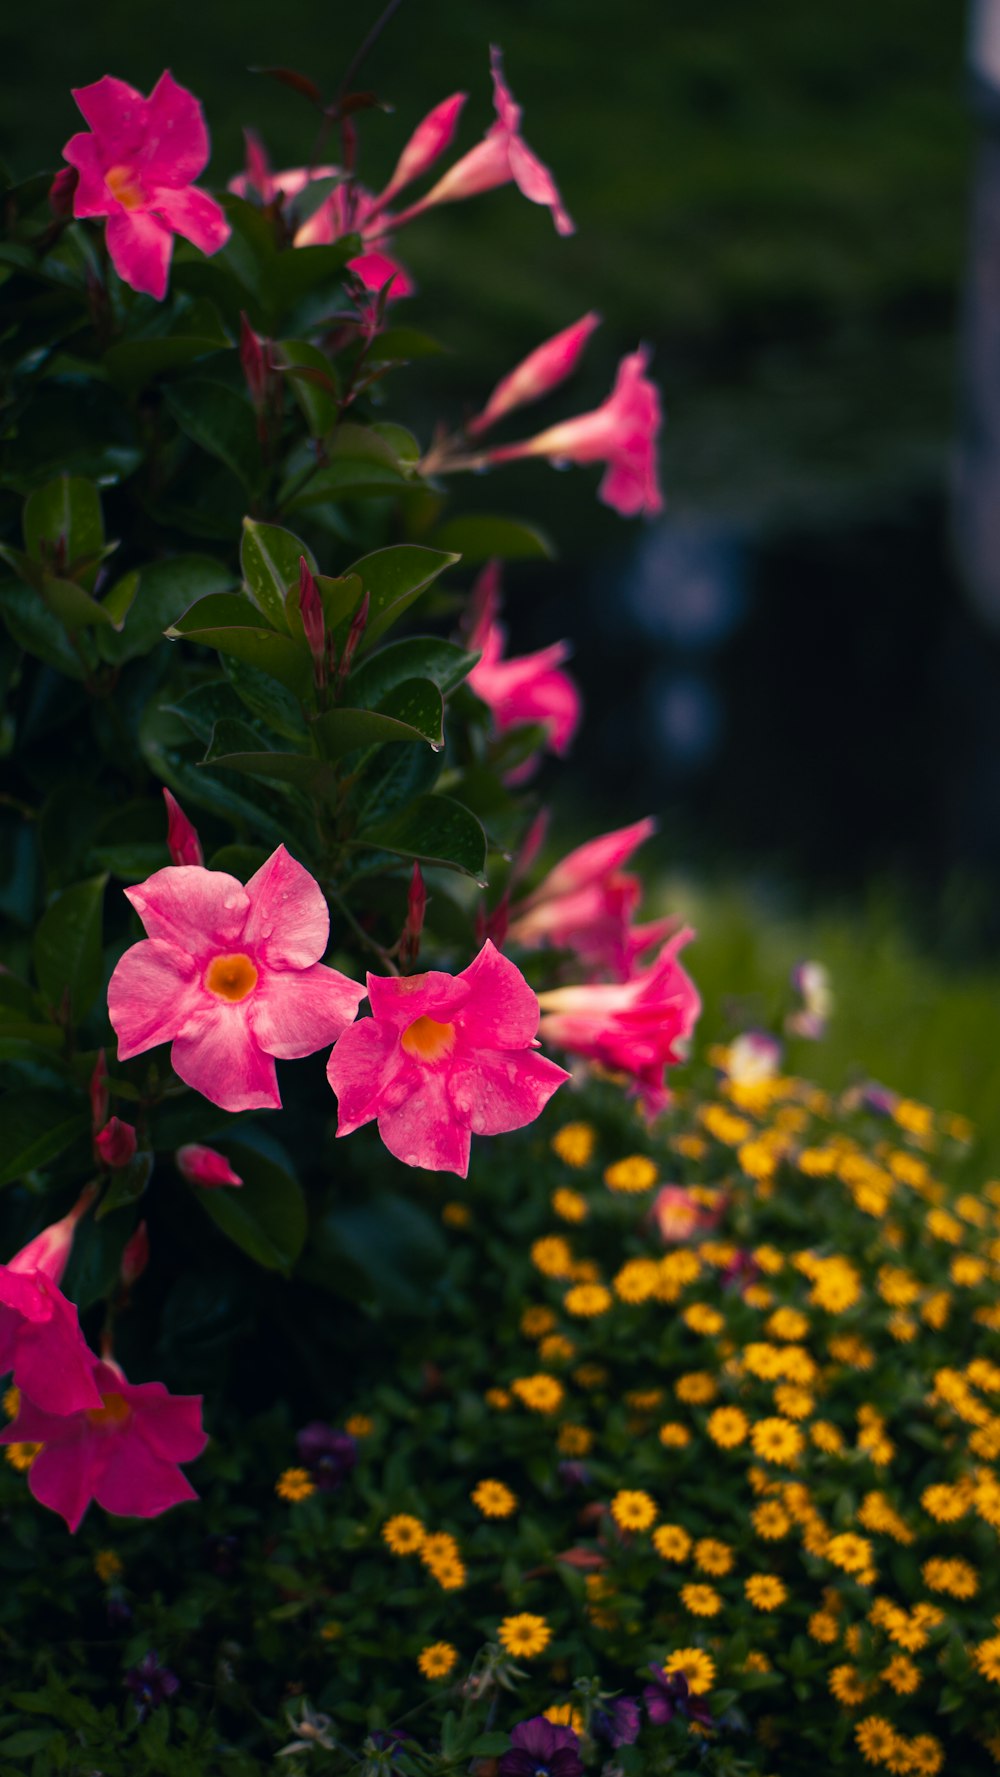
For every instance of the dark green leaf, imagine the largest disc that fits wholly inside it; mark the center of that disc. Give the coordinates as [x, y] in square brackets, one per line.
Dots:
[435, 829]
[266, 1215]
[38, 1125]
[127, 1185]
[480, 537]
[269, 556]
[279, 657]
[35, 629]
[357, 460]
[266, 699]
[418, 657]
[396, 774]
[401, 344]
[386, 1247]
[304, 271]
[393, 579]
[220, 610]
[74, 608]
[313, 382]
[134, 362]
[411, 711]
[220, 421]
[63, 526]
[67, 947]
[235, 747]
[166, 590]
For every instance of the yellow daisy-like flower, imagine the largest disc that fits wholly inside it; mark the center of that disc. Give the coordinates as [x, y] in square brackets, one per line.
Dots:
[574, 1440]
[552, 1256]
[877, 1739]
[359, 1425]
[916, 1119]
[564, 1715]
[756, 1661]
[703, 1319]
[536, 1321]
[673, 1435]
[637, 1281]
[777, 1440]
[294, 1484]
[822, 1626]
[902, 1675]
[574, 1143]
[987, 1658]
[770, 1520]
[403, 1534]
[21, 1456]
[768, 1259]
[555, 1348]
[523, 1636]
[953, 1576]
[499, 1399]
[788, 1323]
[794, 1402]
[924, 1756]
[827, 1437]
[697, 1666]
[108, 1566]
[728, 1427]
[714, 1557]
[569, 1205]
[722, 1124]
[945, 1503]
[587, 1299]
[701, 1601]
[765, 1591]
[437, 1660]
[494, 1499]
[697, 1388]
[848, 1686]
[635, 1173]
[836, 1286]
[852, 1553]
[672, 1542]
[12, 1401]
[450, 1575]
[591, 1375]
[633, 1510]
[456, 1215]
[540, 1394]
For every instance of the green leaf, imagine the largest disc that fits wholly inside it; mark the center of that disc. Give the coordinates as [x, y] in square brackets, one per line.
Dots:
[63, 526]
[38, 1125]
[390, 1245]
[220, 421]
[127, 1185]
[402, 344]
[396, 774]
[412, 711]
[74, 608]
[479, 537]
[235, 747]
[304, 271]
[489, 1745]
[266, 699]
[166, 590]
[119, 601]
[67, 947]
[38, 632]
[135, 362]
[313, 383]
[418, 657]
[266, 1215]
[219, 610]
[358, 461]
[269, 557]
[435, 829]
[271, 814]
[278, 656]
[393, 579]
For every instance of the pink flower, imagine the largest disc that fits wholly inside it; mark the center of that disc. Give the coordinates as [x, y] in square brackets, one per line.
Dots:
[123, 1451]
[525, 688]
[137, 168]
[752, 1057]
[621, 433]
[676, 1216]
[347, 209]
[115, 1143]
[428, 142]
[586, 905]
[232, 977]
[205, 1167]
[636, 1028]
[40, 1337]
[443, 1058]
[543, 369]
[183, 843]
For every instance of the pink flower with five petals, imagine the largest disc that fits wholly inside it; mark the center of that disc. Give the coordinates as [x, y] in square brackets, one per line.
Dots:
[443, 1058]
[586, 904]
[137, 166]
[40, 1337]
[231, 977]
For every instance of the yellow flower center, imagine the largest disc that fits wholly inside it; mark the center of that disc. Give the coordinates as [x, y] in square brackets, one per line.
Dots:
[231, 977]
[427, 1040]
[125, 187]
[113, 1413]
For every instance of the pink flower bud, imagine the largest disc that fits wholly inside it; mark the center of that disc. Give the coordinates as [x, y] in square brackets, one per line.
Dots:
[61, 193]
[428, 141]
[183, 843]
[205, 1167]
[99, 1099]
[543, 369]
[116, 1143]
[135, 1256]
[313, 621]
[354, 635]
[258, 173]
[50, 1250]
[416, 906]
[253, 363]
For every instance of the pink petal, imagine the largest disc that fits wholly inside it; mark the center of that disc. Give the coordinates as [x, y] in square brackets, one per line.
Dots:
[599, 857]
[219, 1056]
[200, 911]
[116, 113]
[535, 182]
[357, 1071]
[289, 919]
[140, 249]
[194, 214]
[297, 1012]
[53, 1367]
[377, 269]
[91, 197]
[64, 1477]
[22, 1295]
[484, 168]
[399, 1001]
[542, 370]
[153, 990]
[205, 1167]
[502, 1012]
[497, 1092]
[431, 137]
[424, 1129]
[169, 1423]
[135, 1482]
[176, 145]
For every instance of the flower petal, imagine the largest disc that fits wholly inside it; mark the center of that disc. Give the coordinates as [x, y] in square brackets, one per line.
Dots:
[399, 1001]
[502, 1012]
[219, 1056]
[356, 1071]
[424, 1130]
[194, 214]
[296, 1012]
[91, 197]
[201, 911]
[116, 113]
[53, 1366]
[64, 1476]
[175, 150]
[135, 1482]
[495, 1093]
[169, 1423]
[140, 249]
[289, 919]
[152, 992]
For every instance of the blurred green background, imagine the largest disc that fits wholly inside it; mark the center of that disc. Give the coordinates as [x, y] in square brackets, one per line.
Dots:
[776, 199]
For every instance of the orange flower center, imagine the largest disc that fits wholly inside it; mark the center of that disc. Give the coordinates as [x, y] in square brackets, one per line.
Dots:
[113, 1413]
[231, 977]
[125, 187]
[427, 1040]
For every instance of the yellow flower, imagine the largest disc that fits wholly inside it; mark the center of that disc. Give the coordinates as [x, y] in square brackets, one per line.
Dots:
[818, 1162]
[564, 1715]
[294, 1484]
[552, 1256]
[987, 1658]
[701, 1601]
[536, 1321]
[924, 1756]
[359, 1425]
[703, 1319]
[877, 1739]
[574, 1440]
[591, 1375]
[770, 1520]
[822, 1626]
[877, 1513]
[852, 1553]
[848, 1686]
[847, 1348]
[945, 1503]
[437, 1660]
[524, 1635]
[902, 1675]
[768, 1259]
[788, 1323]
[404, 1535]
[692, 1147]
[967, 1270]
[765, 1591]
[21, 1456]
[756, 1661]
[897, 1286]
[12, 1401]
[836, 1286]
[574, 1143]
[587, 1299]
[673, 1435]
[569, 1205]
[633, 1510]
[494, 1500]
[450, 1575]
[637, 1280]
[916, 1119]
[726, 1128]
[107, 1566]
[555, 1348]
[672, 1542]
[714, 1557]
[777, 1440]
[795, 1403]
[954, 1576]
[697, 1388]
[498, 1399]
[635, 1173]
[540, 1394]
[728, 1427]
[697, 1666]
[456, 1215]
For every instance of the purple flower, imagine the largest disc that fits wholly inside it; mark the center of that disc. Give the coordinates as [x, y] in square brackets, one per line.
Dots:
[329, 1455]
[573, 1474]
[670, 1695]
[619, 1723]
[538, 1748]
[150, 1683]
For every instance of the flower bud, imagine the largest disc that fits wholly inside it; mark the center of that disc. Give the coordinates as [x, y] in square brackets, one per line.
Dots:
[313, 620]
[416, 906]
[542, 370]
[183, 843]
[135, 1256]
[205, 1167]
[116, 1143]
[100, 1101]
[253, 362]
[61, 193]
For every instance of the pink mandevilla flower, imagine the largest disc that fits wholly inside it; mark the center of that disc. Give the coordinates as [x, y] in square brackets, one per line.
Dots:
[40, 1337]
[525, 687]
[586, 905]
[137, 167]
[622, 433]
[443, 1058]
[205, 1167]
[231, 977]
[542, 370]
[636, 1028]
[123, 1451]
[676, 1216]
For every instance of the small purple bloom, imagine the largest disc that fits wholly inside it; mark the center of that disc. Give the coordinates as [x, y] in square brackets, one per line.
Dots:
[573, 1474]
[619, 1723]
[150, 1683]
[540, 1748]
[670, 1695]
[328, 1454]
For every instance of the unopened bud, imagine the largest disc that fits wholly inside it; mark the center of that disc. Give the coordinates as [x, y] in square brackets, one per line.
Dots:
[253, 361]
[116, 1143]
[542, 370]
[416, 907]
[61, 193]
[205, 1167]
[183, 843]
[100, 1102]
[135, 1256]
[354, 635]
[313, 620]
